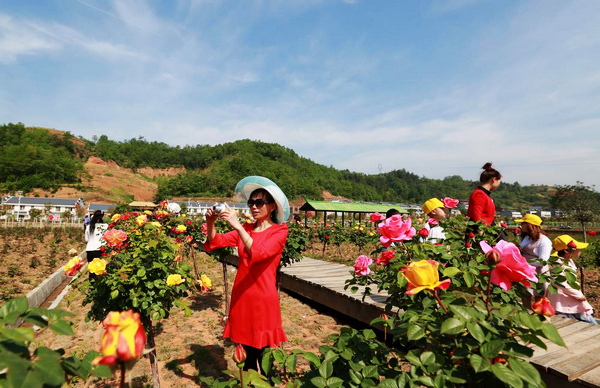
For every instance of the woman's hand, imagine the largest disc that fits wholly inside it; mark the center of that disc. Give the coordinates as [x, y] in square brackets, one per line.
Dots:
[231, 216]
[210, 216]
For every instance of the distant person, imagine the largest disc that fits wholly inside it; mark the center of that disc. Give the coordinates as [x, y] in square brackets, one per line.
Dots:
[86, 221]
[93, 236]
[569, 302]
[391, 212]
[481, 204]
[435, 210]
[535, 245]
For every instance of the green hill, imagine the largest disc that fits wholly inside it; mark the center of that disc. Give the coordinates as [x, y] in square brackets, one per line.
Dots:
[37, 157]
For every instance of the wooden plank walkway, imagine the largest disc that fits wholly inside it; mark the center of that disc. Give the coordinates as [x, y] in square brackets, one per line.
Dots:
[576, 366]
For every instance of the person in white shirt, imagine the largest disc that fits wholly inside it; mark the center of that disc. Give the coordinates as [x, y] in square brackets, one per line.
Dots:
[535, 245]
[93, 236]
[436, 211]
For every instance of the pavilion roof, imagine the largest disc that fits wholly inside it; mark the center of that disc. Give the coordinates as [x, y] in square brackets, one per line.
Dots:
[350, 207]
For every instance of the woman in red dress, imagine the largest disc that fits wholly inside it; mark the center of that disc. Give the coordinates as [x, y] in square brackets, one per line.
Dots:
[255, 314]
[481, 204]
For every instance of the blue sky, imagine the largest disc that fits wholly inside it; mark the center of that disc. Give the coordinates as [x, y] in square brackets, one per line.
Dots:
[435, 87]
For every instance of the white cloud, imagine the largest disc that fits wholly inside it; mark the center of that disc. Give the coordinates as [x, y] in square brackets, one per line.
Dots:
[18, 39]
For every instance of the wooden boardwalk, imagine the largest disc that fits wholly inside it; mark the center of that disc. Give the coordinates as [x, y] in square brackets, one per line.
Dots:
[576, 366]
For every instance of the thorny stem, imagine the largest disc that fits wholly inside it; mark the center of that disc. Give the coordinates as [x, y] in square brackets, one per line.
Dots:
[122, 382]
[489, 291]
[440, 301]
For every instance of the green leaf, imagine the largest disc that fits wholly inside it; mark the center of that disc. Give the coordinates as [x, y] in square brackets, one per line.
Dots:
[312, 358]
[334, 382]
[62, 327]
[114, 294]
[526, 371]
[48, 365]
[478, 363]
[452, 326]
[355, 377]
[551, 333]
[476, 331]
[388, 383]
[428, 381]
[326, 369]
[369, 334]
[468, 277]
[466, 314]
[530, 321]
[507, 376]
[427, 358]
[370, 371]
[491, 349]
[141, 272]
[14, 308]
[102, 371]
[415, 332]
[22, 334]
[450, 272]
[319, 382]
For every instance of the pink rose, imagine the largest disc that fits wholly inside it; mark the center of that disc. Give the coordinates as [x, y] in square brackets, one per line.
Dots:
[450, 203]
[432, 222]
[385, 258]
[361, 266]
[114, 237]
[376, 217]
[393, 229]
[512, 267]
[424, 233]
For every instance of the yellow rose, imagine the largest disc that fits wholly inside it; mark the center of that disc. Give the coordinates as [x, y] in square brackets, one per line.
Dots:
[115, 217]
[141, 220]
[173, 280]
[205, 282]
[98, 266]
[148, 212]
[423, 275]
[156, 223]
[180, 229]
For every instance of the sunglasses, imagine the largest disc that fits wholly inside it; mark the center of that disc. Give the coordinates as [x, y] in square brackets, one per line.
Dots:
[259, 202]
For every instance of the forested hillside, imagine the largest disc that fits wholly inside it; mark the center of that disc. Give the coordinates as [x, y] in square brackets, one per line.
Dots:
[36, 157]
[50, 158]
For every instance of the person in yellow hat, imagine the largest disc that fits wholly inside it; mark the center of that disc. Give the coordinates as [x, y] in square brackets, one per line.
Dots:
[436, 211]
[569, 302]
[535, 245]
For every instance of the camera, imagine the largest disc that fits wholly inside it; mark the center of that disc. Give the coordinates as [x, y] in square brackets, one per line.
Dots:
[218, 208]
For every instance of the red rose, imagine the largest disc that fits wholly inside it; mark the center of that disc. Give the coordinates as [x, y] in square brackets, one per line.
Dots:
[471, 235]
[424, 233]
[385, 258]
[592, 233]
[468, 244]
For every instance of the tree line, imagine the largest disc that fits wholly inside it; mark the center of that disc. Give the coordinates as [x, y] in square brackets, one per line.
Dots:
[40, 158]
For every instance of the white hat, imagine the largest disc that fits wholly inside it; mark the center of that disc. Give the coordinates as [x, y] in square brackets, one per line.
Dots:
[246, 186]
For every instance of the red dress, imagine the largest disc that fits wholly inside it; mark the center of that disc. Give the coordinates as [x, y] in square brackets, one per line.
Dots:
[481, 206]
[255, 314]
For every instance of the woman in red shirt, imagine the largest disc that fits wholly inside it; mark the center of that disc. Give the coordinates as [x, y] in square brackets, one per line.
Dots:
[254, 318]
[481, 204]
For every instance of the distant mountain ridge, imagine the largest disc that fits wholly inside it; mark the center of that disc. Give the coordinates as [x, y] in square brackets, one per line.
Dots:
[52, 160]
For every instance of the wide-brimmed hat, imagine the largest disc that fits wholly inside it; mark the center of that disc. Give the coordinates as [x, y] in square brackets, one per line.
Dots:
[246, 186]
[530, 219]
[562, 242]
[431, 204]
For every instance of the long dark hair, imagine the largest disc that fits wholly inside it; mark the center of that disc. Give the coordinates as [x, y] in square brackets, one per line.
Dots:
[534, 233]
[269, 199]
[96, 218]
[489, 173]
